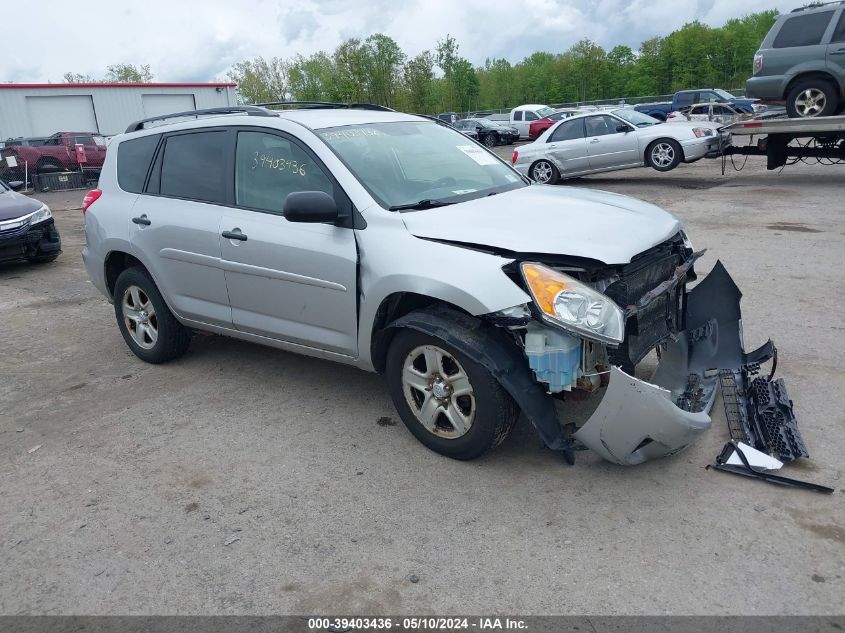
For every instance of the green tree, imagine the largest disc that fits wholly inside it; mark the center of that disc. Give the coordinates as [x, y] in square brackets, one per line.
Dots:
[384, 59]
[128, 73]
[312, 78]
[261, 80]
[419, 82]
[78, 78]
[464, 84]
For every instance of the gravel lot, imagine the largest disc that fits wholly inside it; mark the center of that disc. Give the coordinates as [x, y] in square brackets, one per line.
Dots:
[242, 479]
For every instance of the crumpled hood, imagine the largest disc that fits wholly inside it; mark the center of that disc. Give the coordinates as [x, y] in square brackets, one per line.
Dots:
[14, 205]
[549, 219]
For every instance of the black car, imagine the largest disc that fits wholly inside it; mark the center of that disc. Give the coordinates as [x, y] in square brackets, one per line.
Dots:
[27, 230]
[489, 133]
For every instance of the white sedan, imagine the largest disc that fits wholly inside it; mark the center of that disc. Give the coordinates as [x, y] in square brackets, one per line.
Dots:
[616, 139]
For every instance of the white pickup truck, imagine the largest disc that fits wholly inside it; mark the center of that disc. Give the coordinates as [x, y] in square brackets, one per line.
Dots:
[522, 116]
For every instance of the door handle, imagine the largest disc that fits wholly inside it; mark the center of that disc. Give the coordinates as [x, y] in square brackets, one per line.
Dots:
[234, 234]
[595, 140]
[839, 51]
[143, 220]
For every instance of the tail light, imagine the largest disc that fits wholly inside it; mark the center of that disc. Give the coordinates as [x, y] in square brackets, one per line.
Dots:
[758, 63]
[514, 157]
[90, 198]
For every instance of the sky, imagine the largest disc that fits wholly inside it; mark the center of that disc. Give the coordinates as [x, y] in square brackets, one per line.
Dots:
[200, 40]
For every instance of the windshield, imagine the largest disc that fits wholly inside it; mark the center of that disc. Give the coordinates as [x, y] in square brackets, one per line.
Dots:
[419, 163]
[724, 94]
[636, 118]
[545, 111]
[482, 123]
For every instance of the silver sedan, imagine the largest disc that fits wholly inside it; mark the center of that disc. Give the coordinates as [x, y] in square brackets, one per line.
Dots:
[616, 139]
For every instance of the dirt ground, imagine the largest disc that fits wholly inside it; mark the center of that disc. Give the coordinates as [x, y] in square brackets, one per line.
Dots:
[241, 479]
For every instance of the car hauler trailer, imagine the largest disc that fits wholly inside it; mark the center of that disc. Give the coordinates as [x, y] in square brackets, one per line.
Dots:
[787, 141]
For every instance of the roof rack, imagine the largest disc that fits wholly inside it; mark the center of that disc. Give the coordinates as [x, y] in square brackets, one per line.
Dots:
[328, 105]
[246, 109]
[816, 5]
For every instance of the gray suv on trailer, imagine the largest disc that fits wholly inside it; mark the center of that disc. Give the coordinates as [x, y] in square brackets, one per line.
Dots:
[802, 62]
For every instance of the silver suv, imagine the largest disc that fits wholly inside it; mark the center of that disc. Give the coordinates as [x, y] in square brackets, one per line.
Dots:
[393, 243]
[802, 62]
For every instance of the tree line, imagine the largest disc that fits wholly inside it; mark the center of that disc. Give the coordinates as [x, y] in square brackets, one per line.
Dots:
[377, 70]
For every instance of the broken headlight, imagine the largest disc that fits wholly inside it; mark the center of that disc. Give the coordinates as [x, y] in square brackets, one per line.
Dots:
[702, 131]
[42, 214]
[574, 306]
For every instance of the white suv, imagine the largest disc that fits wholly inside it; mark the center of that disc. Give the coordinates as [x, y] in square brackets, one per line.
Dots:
[394, 243]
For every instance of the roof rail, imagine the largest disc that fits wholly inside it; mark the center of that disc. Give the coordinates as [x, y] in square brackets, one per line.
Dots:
[816, 5]
[328, 105]
[246, 109]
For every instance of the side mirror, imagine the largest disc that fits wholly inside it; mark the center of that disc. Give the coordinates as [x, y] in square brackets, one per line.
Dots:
[16, 185]
[622, 128]
[310, 206]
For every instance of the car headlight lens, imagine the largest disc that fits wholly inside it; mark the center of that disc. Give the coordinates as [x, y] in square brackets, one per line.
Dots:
[42, 214]
[574, 306]
[702, 131]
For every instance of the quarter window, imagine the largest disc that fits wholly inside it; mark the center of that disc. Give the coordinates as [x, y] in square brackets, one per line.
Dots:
[839, 33]
[517, 116]
[133, 162]
[568, 131]
[194, 167]
[803, 30]
[269, 167]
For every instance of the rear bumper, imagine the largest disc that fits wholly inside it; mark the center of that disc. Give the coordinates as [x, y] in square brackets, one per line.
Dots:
[38, 240]
[766, 88]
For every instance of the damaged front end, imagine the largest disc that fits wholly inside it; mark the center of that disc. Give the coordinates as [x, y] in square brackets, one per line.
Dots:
[696, 333]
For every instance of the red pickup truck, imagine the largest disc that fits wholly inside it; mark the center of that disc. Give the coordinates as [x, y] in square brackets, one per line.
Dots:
[58, 152]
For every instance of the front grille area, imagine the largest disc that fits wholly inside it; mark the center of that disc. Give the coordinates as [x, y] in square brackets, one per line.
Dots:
[663, 316]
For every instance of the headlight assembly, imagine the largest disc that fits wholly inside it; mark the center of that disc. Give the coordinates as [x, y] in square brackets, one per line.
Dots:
[574, 306]
[702, 131]
[42, 214]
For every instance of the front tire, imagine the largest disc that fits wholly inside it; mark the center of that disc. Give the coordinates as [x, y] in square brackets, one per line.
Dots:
[489, 141]
[544, 172]
[146, 323]
[812, 98]
[664, 154]
[451, 403]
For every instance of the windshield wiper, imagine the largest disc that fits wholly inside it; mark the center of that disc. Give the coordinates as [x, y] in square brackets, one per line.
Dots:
[422, 204]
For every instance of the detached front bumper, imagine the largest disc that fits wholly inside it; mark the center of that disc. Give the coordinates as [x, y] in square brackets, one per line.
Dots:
[637, 421]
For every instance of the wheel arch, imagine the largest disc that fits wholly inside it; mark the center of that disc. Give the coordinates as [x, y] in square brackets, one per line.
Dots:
[392, 308]
[809, 75]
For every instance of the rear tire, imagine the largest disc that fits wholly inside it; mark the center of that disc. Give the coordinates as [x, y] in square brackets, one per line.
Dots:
[432, 385]
[664, 154]
[146, 323]
[544, 172]
[812, 98]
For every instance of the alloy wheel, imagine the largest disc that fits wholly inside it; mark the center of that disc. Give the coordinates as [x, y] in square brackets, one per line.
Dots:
[662, 154]
[139, 316]
[810, 102]
[438, 391]
[542, 172]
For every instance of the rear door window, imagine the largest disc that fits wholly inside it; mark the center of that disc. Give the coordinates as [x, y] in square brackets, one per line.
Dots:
[133, 162]
[568, 131]
[684, 99]
[517, 116]
[803, 30]
[194, 166]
